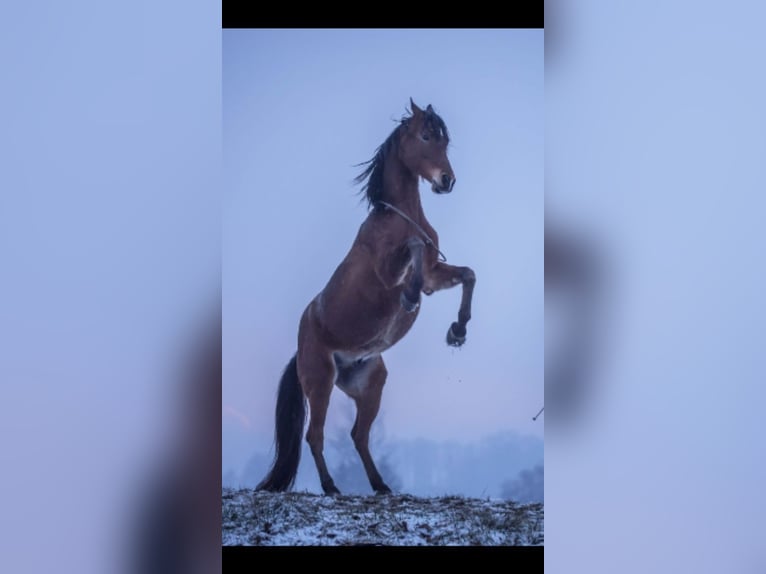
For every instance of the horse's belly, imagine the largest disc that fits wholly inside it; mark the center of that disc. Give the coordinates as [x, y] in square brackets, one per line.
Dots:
[377, 337]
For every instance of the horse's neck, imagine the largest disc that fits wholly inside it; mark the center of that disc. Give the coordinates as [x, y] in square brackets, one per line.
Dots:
[400, 189]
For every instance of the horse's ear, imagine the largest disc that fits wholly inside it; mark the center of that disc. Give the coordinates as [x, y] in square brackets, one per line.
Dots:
[429, 109]
[416, 111]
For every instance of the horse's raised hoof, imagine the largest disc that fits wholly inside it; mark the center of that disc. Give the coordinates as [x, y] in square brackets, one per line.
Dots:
[407, 304]
[456, 335]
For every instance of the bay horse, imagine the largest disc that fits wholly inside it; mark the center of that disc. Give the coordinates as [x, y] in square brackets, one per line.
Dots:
[370, 302]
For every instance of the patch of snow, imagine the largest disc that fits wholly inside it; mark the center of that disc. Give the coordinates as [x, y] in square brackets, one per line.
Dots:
[301, 519]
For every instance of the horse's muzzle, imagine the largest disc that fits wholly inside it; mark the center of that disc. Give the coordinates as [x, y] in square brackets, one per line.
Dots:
[443, 184]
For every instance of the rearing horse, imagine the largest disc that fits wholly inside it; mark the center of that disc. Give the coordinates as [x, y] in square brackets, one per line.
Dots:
[370, 302]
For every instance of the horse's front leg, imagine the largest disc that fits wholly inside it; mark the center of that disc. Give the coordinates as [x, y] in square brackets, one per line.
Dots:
[443, 276]
[410, 296]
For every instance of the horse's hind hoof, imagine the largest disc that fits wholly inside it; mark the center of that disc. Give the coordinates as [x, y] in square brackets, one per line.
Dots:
[407, 304]
[330, 489]
[456, 335]
[382, 490]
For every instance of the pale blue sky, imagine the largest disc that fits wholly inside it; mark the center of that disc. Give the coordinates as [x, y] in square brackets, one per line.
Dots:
[300, 108]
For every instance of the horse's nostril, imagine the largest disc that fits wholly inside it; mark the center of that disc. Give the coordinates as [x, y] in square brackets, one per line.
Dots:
[446, 180]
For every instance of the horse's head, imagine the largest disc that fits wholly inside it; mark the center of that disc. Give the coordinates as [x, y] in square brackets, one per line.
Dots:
[423, 148]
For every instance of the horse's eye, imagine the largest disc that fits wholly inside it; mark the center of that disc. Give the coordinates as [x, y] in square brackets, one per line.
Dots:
[425, 136]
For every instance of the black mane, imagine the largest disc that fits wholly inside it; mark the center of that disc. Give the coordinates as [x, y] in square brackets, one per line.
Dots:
[372, 176]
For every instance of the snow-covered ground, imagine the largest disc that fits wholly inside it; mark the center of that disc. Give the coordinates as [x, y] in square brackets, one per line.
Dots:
[300, 519]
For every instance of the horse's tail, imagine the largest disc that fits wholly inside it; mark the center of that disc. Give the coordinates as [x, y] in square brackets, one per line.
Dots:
[290, 420]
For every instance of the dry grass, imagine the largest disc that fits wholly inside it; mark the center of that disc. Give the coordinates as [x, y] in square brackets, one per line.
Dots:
[292, 519]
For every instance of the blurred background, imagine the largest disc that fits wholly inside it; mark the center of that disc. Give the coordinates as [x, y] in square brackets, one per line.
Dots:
[300, 109]
[654, 148]
[110, 227]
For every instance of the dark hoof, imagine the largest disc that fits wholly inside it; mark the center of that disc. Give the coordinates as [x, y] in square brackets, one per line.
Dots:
[330, 488]
[382, 489]
[408, 304]
[456, 335]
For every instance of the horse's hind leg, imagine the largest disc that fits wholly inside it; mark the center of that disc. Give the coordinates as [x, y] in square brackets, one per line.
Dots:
[367, 393]
[316, 371]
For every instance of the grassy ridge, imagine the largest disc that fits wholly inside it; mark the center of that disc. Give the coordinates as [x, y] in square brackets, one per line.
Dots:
[292, 519]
